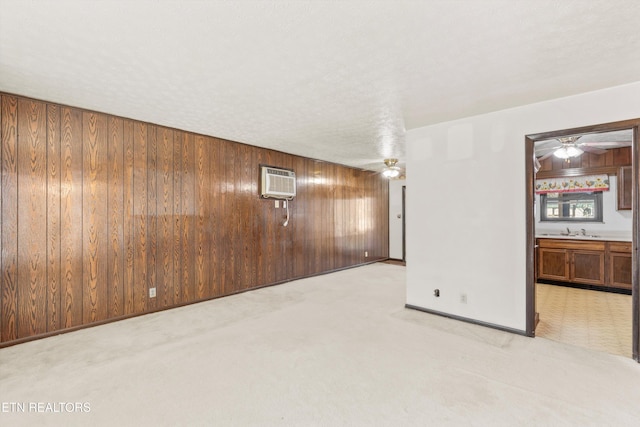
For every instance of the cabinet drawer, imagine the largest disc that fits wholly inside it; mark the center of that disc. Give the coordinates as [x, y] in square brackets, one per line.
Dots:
[587, 245]
[620, 247]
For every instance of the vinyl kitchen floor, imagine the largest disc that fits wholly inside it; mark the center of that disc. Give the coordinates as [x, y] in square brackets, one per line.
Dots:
[591, 319]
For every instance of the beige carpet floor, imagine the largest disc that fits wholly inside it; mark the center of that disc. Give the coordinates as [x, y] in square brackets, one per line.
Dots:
[592, 319]
[333, 350]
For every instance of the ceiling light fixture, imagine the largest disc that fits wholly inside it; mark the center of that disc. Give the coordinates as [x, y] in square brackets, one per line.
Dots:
[392, 171]
[569, 148]
[567, 151]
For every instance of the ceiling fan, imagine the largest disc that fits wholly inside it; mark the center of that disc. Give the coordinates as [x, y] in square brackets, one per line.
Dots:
[567, 147]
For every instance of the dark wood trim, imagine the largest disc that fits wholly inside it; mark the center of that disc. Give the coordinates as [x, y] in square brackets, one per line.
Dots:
[608, 170]
[530, 240]
[467, 320]
[530, 225]
[635, 272]
[404, 224]
[600, 128]
[395, 261]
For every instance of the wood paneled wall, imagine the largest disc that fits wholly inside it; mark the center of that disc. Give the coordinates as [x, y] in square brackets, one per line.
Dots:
[97, 209]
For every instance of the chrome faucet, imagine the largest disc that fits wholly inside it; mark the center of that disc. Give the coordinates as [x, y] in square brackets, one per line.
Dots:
[568, 231]
[583, 231]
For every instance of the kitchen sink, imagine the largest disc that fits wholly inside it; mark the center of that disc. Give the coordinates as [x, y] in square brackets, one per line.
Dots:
[569, 235]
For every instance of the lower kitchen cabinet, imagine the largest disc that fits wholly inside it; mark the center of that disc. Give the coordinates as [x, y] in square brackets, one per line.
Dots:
[589, 262]
[553, 264]
[587, 267]
[620, 265]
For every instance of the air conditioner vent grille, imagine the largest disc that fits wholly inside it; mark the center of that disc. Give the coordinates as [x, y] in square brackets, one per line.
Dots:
[278, 183]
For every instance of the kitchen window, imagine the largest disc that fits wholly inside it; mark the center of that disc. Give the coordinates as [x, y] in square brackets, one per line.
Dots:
[571, 207]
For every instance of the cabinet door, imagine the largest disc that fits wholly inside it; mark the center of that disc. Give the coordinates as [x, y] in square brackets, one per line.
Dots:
[624, 188]
[620, 270]
[553, 264]
[587, 267]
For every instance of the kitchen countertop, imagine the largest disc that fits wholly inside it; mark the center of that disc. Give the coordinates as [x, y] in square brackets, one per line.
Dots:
[600, 237]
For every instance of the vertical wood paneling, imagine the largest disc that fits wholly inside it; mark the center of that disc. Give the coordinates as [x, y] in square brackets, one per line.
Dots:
[331, 203]
[310, 237]
[288, 232]
[202, 209]
[140, 281]
[94, 213]
[367, 238]
[165, 260]
[224, 232]
[337, 224]
[301, 204]
[622, 156]
[71, 241]
[9, 224]
[278, 240]
[53, 217]
[32, 221]
[128, 132]
[188, 218]
[382, 202]
[573, 162]
[354, 216]
[116, 275]
[246, 216]
[152, 214]
[259, 207]
[178, 137]
[97, 209]
[270, 214]
[324, 217]
[232, 219]
[216, 165]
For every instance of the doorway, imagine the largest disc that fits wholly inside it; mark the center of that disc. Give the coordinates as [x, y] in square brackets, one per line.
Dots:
[532, 250]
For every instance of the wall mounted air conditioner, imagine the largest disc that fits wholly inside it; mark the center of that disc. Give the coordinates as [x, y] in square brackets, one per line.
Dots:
[277, 183]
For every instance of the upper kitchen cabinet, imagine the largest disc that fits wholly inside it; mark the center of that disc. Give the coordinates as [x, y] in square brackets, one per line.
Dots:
[624, 188]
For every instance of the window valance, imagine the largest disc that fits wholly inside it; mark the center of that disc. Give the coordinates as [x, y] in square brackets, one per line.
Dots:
[573, 184]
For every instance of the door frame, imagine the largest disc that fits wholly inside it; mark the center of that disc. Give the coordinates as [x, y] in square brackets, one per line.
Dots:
[404, 224]
[530, 140]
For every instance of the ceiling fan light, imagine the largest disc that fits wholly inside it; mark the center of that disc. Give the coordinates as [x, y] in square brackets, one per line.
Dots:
[567, 151]
[392, 172]
[573, 151]
[561, 153]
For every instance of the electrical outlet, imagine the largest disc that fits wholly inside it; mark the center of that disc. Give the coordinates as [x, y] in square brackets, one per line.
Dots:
[366, 254]
[463, 298]
[284, 204]
[152, 292]
[277, 203]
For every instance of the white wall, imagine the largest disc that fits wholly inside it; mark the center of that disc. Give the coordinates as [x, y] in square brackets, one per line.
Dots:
[395, 223]
[614, 223]
[466, 227]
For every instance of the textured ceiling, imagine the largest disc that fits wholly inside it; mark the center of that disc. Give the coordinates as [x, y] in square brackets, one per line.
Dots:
[334, 80]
